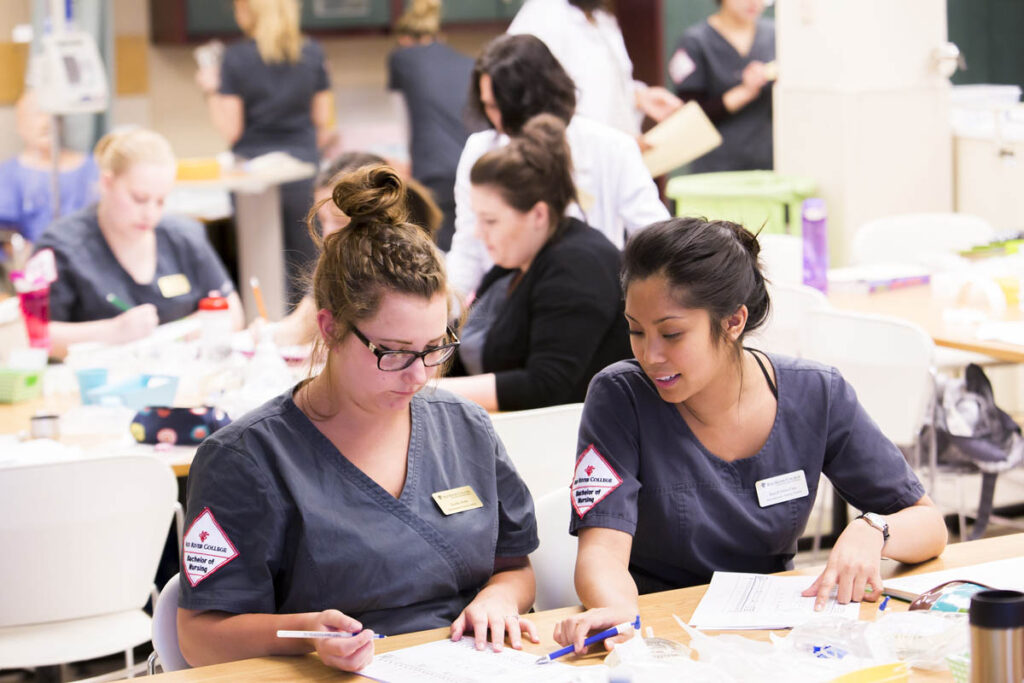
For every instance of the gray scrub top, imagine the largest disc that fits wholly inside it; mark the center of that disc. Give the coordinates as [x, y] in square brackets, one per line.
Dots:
[717, 68]
[691, 513]
[277, 98]
[313, 532]
[187, 268]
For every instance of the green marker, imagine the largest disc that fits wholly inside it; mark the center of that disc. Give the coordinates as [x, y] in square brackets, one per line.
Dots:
[116, 301]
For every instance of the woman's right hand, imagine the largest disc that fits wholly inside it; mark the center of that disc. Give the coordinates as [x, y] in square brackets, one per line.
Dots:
[136, 323]
[208, 79]
[347, 654]
[575, 629]
[754, 77]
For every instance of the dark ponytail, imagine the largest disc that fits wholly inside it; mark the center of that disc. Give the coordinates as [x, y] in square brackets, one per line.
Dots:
[711, 265]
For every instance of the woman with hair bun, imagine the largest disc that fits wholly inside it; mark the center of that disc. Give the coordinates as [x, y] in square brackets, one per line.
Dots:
[707, 455]
[317, 510]
[548, 315]
[124, 251]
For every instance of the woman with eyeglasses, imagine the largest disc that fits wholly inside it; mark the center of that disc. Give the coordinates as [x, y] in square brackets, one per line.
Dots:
[357, 502]
[548, 316]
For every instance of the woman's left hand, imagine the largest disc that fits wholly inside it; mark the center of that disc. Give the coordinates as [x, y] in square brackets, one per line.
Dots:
[208, 79]
[852, 567]
[492, 610]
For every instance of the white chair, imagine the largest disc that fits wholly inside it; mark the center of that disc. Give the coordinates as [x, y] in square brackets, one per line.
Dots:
[915, 237]
[787, 319]
[929, 239]
[166, 652]
[555, 558]
[82, 541]
[541, 444]
[886, 360]
[888, 363]
[782, 258]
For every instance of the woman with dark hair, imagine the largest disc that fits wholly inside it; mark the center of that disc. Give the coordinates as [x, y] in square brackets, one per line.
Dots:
[720, 63]
[548, 315]
[585, 38]
[514, 79]
[702, 455]
[316, 511]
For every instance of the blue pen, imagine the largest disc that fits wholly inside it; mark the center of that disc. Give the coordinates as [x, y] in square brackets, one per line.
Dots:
[596, 638]
[885, 603]
[321, 634]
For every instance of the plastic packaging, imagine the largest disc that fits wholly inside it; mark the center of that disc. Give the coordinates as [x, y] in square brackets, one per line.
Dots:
[920, 638]
[815, 237]
[215, 319]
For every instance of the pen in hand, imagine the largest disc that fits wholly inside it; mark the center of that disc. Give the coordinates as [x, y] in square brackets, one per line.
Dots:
[117, 302]
[323, 634]
[624, 627]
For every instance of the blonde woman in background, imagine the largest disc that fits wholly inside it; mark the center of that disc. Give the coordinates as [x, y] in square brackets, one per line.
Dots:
[431, 82]
[123, 252]
[271, 93]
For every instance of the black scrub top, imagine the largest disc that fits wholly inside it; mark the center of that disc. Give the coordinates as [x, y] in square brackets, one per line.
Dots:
[187, 269]
[280, 522]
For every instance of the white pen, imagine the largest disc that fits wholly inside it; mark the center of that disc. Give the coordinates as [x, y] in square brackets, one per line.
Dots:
[322, 634]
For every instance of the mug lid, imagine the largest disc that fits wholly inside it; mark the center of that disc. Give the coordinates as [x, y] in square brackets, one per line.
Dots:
[997, 609]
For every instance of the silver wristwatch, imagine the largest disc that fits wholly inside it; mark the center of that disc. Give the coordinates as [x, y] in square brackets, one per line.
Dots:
[878, 521]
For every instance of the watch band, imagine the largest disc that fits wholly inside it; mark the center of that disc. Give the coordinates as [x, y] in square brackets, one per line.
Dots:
[877, 521]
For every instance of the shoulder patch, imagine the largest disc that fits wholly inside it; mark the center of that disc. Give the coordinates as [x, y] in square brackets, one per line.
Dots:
[206, 548]
[593, 481]
[680, 66]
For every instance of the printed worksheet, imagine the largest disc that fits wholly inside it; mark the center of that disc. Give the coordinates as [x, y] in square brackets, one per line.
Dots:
[736, 600]
[445, 661]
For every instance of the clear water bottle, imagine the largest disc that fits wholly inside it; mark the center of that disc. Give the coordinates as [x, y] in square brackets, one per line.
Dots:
[815, 238]
[215, 319]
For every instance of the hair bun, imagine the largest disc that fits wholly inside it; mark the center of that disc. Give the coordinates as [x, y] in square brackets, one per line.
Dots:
[747, 239]
[373, 194]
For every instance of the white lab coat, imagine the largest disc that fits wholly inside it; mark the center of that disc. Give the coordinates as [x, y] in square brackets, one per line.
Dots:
[615, 187]
[593, 54]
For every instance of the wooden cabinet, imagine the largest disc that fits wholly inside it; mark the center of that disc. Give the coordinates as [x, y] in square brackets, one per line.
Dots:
[184, 21]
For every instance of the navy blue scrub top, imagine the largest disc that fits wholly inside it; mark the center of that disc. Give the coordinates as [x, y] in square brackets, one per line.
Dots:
[691, 513]
[187, 269]
[313, 532]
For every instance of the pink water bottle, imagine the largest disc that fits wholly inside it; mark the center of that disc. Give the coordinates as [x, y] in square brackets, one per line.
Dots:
[815, 237]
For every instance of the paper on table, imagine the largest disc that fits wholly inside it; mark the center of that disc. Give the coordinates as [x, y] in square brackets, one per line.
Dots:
[1005, 574]
[684, 136]
[737, 600]
[459, 662]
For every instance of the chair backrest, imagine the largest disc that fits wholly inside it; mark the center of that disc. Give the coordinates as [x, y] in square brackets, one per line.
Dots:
[555, 557]
[165, 627]
[784, 330]
[911, 238]
[782, 258]
[82, 538]
[886, 360]
[541, 444]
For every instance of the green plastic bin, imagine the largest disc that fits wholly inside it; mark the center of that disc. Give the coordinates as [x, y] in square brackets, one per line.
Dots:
[751, 198]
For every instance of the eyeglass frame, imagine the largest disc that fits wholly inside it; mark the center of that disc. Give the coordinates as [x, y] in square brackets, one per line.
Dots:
[414, 355]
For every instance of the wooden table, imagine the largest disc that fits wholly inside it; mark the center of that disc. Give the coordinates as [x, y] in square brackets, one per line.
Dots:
[918, 305]
[15, 418]
[656, 611]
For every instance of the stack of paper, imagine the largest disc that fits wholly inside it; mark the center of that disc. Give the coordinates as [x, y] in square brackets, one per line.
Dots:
[1005, 574]
[738, 601]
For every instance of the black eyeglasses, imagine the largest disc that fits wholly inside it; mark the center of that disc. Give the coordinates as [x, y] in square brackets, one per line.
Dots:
[393, 361]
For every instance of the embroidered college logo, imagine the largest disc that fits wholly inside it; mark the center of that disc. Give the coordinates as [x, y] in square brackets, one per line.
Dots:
[206, 548]
[593, 481]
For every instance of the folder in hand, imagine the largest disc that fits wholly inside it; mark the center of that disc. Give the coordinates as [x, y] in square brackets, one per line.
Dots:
[684, 136]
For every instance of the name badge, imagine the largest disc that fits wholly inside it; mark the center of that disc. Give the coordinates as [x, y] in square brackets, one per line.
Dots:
[781, 488]
[456, 500]
[174, 285]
